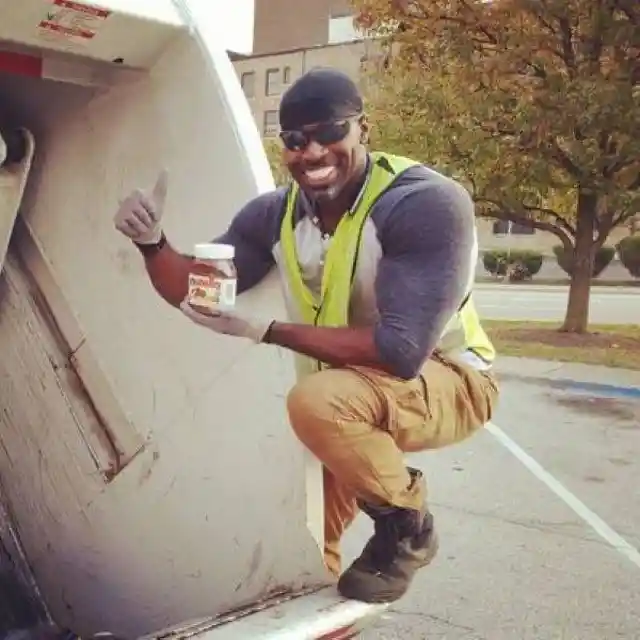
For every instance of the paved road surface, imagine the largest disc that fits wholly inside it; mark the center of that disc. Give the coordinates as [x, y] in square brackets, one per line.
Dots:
[516, 561]
[530, 302]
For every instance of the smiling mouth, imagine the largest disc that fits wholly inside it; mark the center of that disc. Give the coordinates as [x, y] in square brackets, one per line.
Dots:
[320, 176]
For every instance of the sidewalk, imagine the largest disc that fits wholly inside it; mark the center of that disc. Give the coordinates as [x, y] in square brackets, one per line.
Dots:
[585, 376]
[562, 288]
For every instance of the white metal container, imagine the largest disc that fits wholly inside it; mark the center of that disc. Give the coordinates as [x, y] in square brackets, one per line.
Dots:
[148, 466]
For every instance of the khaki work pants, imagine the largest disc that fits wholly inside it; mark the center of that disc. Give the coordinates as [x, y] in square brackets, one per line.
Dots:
[359, 422]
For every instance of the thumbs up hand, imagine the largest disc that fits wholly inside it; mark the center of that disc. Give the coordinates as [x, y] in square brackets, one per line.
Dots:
[140, 213]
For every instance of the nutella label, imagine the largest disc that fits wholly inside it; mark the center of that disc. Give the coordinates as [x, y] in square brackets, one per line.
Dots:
[210, 291]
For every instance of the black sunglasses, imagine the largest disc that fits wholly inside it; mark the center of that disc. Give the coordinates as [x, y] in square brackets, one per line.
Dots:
[324, 134]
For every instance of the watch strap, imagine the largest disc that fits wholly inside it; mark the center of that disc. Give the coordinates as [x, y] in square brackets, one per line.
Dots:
[148, 250]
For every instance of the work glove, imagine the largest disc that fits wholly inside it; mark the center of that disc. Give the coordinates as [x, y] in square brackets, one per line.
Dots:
[140, 213]
[228, 323]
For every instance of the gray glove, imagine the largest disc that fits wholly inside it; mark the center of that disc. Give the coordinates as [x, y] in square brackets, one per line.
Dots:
[139, 215]
[228, 323]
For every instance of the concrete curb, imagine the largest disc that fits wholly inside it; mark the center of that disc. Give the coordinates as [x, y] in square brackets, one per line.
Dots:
[595, 379]
[587, 387]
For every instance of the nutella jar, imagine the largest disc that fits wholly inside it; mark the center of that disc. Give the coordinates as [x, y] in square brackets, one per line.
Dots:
[213, 277]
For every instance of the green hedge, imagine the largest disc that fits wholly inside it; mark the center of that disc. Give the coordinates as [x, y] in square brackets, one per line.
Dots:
[517, 264]
[629, 252]
[604, 256]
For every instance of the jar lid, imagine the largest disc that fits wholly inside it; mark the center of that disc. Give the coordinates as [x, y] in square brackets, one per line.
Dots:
[210, 251]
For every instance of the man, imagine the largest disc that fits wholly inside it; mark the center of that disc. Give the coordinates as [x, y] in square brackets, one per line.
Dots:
[377, 255]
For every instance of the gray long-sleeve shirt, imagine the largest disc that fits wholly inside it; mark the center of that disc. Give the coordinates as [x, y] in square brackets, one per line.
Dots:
[414, 269]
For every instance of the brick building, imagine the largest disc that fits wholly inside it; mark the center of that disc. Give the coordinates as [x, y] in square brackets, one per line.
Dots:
[281, 25]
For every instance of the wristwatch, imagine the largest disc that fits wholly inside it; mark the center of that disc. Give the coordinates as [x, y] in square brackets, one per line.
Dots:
[148, 250]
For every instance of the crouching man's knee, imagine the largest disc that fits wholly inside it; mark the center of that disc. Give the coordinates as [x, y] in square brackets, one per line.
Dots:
[309, 409]
[327, 406]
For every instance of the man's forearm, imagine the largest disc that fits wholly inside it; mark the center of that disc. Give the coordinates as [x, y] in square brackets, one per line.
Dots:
[169, 274]
[338, 347]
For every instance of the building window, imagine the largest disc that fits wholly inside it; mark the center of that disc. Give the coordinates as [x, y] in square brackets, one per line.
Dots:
[286, 75]
[272, 84]
[248, 82]
[342, 29]
[506, 227]
[270, 124]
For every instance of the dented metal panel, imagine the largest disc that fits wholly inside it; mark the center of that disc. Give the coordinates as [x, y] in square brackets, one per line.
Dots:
[111, 438]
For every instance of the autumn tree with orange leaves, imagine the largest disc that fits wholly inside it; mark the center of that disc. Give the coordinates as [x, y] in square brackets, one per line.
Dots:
[534, 104]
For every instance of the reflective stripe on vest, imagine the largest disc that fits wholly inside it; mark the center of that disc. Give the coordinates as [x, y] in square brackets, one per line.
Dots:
[463, 332]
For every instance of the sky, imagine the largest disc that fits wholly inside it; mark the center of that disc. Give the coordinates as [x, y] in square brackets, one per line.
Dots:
[238, 30]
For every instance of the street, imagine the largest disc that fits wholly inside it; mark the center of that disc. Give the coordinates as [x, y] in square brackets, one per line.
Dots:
[539, 525]
[533, 302]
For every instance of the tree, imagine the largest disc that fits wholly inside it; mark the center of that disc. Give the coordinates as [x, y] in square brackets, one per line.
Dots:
[273, 149]
[533, 104]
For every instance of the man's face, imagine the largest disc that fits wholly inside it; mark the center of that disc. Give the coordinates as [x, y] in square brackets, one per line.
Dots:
[324, 157]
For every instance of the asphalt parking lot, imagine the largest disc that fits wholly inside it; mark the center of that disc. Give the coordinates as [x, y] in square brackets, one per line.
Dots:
[539, 520]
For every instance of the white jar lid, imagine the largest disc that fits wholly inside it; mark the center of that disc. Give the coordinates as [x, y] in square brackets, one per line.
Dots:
[209, 251]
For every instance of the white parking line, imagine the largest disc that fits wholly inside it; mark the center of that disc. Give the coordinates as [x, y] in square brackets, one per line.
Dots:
[572, 501]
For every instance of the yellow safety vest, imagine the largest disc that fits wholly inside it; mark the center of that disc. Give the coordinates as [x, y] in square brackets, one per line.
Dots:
[464, 332]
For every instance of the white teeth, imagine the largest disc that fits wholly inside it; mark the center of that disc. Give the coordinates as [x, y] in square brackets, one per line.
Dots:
[319, 174]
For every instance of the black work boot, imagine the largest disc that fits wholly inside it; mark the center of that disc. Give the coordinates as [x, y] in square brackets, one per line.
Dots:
[404, 541]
